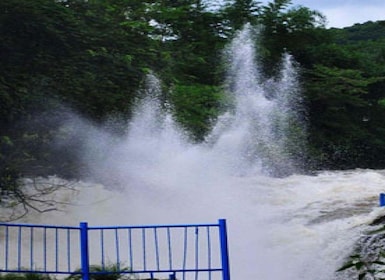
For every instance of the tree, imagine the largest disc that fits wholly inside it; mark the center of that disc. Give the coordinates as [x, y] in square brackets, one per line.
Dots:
[239, 12]
[84, 54]
[346, 126]
[190, 36]
[291, 30]
[338, 114]
[196, 108]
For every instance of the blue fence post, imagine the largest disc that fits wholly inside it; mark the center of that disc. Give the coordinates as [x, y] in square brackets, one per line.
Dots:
[224, 249]
[85, 268]
[382, 199]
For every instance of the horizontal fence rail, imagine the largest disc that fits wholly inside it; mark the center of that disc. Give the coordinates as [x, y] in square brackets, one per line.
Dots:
[193, 251]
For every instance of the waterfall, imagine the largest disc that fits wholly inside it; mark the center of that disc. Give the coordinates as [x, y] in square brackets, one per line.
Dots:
[280, 227]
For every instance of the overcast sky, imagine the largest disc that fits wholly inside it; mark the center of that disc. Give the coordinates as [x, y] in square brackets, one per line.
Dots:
[339, 13]
[342, 13]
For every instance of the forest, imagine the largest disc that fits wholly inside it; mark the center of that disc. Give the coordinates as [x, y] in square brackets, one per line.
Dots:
[91, 57]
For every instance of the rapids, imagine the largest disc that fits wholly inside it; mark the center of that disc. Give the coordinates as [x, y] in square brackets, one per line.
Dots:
[288, 227]
[297, 227]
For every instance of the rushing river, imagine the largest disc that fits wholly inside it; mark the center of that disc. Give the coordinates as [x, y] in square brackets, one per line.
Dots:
[288, 227]
[298, 227]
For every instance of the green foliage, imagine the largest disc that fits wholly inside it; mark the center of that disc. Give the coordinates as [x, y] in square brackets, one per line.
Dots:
[26, 276]
[194, 40]
[338, 113]
[365, 268]
[92, 57]
[53, 52]
[196, 107]
[367, 265]
[97, 272]
[344, 86]
[108, 272]
[368, 31]
[286, 29]
[240, 12]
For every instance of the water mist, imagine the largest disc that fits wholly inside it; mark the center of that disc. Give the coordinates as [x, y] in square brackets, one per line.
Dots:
[294, 227]
[266, 129]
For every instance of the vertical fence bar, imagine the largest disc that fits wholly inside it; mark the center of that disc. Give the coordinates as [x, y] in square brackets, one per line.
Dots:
[45, 248]
[209, 251]
[6, 246]
[224, 249]
[69, 249]
[56, 249]
[144, 248]
[31, 249]
[102, 248]
[2, 246]
[84, 251]
[117, 249]
[19, 249]
[169, 248]
[196, 252]
[184, 253]
[382, 199]
[130, 248]
[156, 248]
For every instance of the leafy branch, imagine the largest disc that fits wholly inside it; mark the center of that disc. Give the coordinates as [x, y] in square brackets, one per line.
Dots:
[369, 261]
[374, 268]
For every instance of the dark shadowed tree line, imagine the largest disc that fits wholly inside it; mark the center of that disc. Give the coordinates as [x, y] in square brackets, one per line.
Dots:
[92, 57]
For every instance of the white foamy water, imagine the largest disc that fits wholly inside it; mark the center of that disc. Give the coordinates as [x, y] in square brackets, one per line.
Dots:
[292, 228]
[299, 227]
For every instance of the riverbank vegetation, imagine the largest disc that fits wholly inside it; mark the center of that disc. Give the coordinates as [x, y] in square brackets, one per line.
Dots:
[97, 272]
[91, 57]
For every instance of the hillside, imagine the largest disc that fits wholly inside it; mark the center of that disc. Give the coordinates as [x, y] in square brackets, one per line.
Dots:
[368, 31]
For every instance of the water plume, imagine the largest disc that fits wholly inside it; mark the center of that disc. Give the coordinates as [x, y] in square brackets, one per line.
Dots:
[289, 227]
[266, 127]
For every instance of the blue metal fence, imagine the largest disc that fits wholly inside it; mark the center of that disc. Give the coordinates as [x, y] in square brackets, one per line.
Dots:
[194, 251]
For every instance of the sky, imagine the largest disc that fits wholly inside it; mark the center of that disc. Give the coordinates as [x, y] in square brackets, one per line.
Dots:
[343, 13]
[340, 13]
